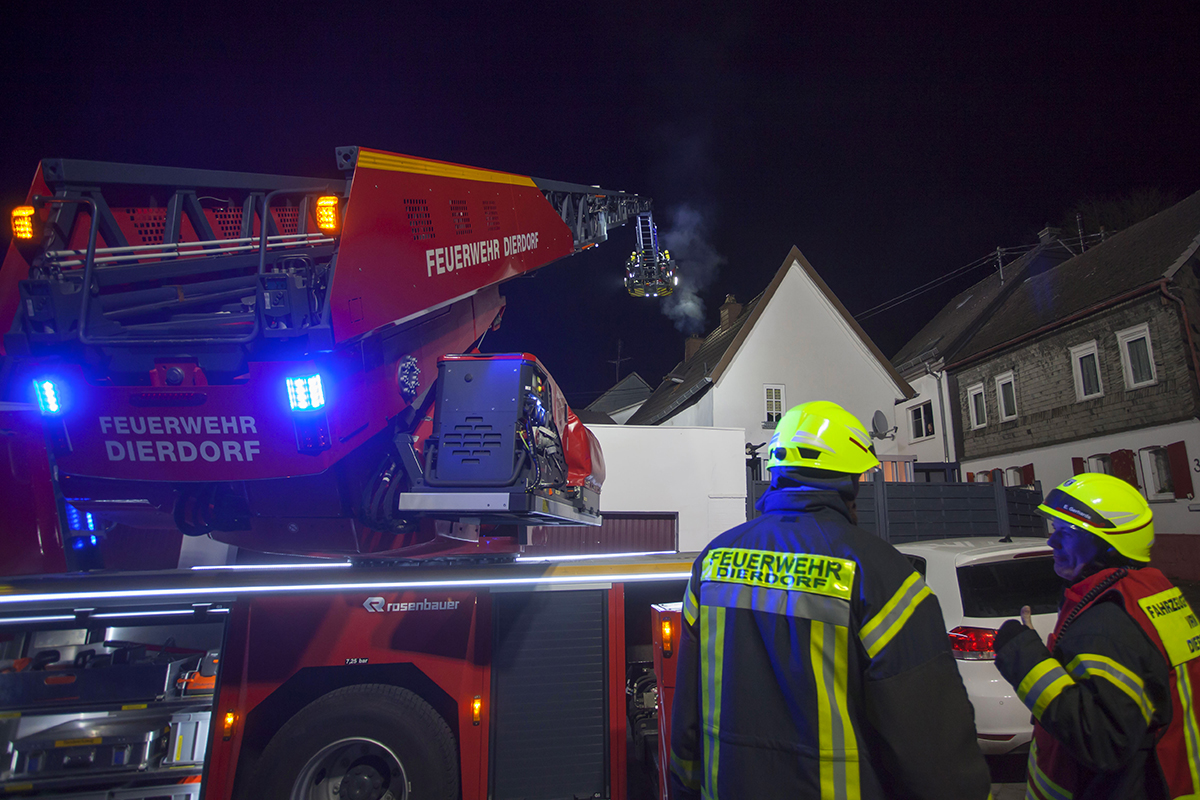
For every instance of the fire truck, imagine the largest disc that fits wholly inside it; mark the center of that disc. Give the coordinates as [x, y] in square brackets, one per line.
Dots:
[293, 365]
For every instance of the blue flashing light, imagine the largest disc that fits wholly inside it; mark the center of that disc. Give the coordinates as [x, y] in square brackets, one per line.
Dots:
[306, 393]
[78, 543]
[93, 538]
[91, 523]
[49, 396]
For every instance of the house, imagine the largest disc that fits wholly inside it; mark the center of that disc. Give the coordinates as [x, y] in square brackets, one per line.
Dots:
[792, 343]
[926, 422]
[1091, 366]
[623, 399]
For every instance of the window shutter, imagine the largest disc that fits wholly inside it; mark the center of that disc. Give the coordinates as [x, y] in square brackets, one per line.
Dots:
[970, 477]
[1181, 473]
[1078, 466]
[1027, 474]
[1124, 464]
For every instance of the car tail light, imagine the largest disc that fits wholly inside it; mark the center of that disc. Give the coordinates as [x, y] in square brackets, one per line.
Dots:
[973, 644]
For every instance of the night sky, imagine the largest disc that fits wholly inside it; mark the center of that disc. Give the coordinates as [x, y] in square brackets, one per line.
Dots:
[890, 147]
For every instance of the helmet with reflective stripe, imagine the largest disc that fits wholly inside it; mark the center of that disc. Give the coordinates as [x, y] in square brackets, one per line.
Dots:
[1107, 507]
[821, 435]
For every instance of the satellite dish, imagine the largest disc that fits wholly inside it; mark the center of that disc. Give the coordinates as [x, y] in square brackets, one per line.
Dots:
[879, 427]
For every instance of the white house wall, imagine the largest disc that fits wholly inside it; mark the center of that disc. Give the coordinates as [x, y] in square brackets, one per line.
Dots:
[939, 447]
[698, 472]
[1052, 465]
[698, 414]
[802, 342]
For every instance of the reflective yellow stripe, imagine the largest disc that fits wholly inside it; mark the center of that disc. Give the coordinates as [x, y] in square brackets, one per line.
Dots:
[688, 772]
[375, 159]
[837, 744]
[1184, 684]
[824, 715]
[1038, 779]
[712, 637]
[690, 606]
[1042, 685]
[1098, 666]
[883, 627]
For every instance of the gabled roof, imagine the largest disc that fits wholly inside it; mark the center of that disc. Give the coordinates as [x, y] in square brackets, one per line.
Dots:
[688, 381]
[629, 391]
[1149, 251]
[953, 326]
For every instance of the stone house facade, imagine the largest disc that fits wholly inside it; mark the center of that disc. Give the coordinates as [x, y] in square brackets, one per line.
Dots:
[1091, 366]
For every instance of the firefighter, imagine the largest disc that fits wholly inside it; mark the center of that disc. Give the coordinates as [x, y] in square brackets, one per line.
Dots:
[814, 661]
[1112, 694]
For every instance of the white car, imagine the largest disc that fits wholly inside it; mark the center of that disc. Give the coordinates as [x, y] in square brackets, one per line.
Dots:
[980, 583]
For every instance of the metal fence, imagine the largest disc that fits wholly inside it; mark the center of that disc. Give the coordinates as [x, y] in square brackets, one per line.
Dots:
[905, 512]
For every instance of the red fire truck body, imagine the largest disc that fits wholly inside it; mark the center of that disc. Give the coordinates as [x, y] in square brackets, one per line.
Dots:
[521, 668]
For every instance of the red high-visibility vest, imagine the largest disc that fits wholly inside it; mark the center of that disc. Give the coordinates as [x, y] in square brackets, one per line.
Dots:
[1161, 611]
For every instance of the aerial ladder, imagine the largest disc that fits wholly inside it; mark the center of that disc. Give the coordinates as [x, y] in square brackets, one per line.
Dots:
[293, 364]
[650, 271]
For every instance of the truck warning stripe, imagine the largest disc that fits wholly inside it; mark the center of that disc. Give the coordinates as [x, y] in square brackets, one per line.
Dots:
[375, 159]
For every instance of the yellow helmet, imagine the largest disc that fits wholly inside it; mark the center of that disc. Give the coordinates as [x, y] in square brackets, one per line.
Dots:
[821, 435]
[1107, 507]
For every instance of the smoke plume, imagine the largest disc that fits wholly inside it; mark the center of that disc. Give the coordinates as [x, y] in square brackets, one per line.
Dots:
[696, 262]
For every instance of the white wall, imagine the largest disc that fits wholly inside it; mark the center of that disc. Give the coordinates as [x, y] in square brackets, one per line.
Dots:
[942, 443]
[698, 472]
[802, 342]
[1052, 466]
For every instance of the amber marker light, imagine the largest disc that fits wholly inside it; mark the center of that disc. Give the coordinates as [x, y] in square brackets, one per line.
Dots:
[476, 709]
[667, 646]
[230, 719]
[22, 222]
[327, 213]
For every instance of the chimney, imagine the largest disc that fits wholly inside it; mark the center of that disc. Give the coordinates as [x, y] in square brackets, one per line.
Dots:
[690, 345]
[1048, 234]
[730, 310]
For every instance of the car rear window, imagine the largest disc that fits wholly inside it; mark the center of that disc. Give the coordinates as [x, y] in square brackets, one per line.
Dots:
[1000, 588]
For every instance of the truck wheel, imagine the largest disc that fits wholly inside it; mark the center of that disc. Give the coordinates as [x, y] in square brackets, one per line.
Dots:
[366, 742]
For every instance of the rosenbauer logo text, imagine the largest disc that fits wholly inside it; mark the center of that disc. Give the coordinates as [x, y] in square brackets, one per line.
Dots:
[228, 442]
[461, 256]
[379, 605]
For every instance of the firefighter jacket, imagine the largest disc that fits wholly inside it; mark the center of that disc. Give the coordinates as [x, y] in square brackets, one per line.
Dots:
[814, 662]
[1112, 697]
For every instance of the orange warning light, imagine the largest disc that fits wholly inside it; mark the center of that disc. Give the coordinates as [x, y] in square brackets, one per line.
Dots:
[230, 719]
[22, 222]
[327, 213]
[476, 709]
[667, 644]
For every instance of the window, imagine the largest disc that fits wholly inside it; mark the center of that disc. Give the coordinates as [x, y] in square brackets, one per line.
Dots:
[1006, 396]
[921, 418]
[1085, 364]
[1137, 356]
[918, 564]
[1101, 462]
[977, 406]
[1156, 472]
[773, 395]
[1000, 588]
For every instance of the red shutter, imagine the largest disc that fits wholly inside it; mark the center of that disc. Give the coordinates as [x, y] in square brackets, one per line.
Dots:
[1027, 474]
[1078, 466]
[970, 477]
[1124, 464]
[1181, 470]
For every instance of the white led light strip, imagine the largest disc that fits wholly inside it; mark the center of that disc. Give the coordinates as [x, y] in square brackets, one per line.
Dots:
[49, 597]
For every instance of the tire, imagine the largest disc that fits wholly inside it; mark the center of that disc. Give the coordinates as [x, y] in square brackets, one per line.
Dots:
[369, 742]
